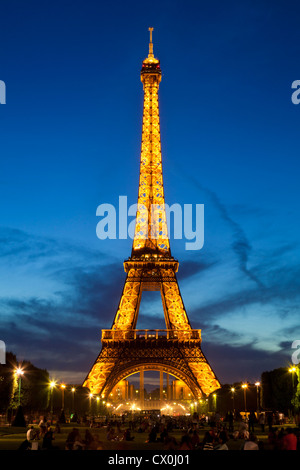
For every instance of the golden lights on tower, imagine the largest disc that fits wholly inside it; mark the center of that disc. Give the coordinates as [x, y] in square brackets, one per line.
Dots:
[151, 267]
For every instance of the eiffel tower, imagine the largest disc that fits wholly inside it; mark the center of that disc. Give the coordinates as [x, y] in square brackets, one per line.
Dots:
[177, 349]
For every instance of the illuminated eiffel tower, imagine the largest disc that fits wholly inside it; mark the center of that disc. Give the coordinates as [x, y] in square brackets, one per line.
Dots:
[126, 350]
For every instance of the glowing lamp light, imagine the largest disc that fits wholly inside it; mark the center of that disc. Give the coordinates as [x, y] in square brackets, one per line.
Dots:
[19, 372]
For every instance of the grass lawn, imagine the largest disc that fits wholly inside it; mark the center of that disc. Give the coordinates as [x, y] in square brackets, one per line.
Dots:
[12, 437]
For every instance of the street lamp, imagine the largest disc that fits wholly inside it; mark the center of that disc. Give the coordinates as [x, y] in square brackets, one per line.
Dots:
[73, 389]
[232, 391]
[245, 386]
[257, 394]
[19, 372]
[215, 401]
[292, 370]
[62, 395]
[90, 402]
[52, 386]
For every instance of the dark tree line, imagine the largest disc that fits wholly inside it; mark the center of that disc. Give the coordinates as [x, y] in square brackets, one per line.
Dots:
[280, 391]
[34, 393]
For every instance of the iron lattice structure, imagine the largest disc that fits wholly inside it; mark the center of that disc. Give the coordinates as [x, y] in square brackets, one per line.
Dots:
[176, 350]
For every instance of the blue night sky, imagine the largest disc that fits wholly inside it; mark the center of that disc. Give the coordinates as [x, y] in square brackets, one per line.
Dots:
[70, 140]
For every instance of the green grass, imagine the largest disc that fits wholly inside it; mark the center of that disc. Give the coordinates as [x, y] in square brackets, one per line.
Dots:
[12, 437]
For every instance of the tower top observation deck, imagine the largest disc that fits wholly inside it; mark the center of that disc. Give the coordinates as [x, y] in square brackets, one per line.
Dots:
[151, 65]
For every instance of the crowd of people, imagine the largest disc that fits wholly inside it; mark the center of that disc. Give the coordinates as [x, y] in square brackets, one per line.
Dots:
[41, 436]
[217, 437]
[196, 433]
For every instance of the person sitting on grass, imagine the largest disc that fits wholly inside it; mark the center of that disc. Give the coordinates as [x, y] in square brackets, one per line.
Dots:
[208, 442]
[31, 434]
[171, 443]
[88, 438]
[111, 435]
[290, 440]
[242, 433]
[71, 439]
[127, 435]
[152, 434]
[185, 443]
[79, 443]
[250, 443]
[95, 444]
[222, 438]
[48, 438]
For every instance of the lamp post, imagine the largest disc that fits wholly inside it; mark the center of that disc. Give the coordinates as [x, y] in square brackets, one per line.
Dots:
[52, 385]
[19, 372]
[62, 396]
[90, 403]
[19, 419]
[292, 370]
[257, 394]
[245, 386]
[73, 398]
[215, 401]
[233, 391]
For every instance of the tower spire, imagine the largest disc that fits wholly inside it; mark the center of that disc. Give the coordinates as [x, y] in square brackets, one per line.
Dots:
[151, 43]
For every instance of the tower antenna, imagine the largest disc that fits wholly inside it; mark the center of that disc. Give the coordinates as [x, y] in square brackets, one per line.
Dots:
[151, 43]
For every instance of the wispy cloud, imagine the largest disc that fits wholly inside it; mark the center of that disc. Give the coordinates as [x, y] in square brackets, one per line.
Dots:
[20, 247]
[240, 245]
[63, 326]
